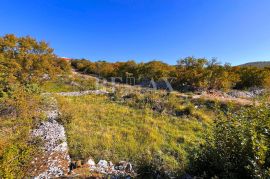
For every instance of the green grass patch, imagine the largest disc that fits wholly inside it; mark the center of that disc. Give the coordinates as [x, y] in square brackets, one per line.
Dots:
[103, 129]
[69, 84]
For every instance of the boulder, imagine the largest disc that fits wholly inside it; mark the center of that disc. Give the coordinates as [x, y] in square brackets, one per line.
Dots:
[110, 164]
[123, 166]
[91, 162]
[103, 164]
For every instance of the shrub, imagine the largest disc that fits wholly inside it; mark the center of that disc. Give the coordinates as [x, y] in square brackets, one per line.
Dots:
[19, 112]
[237, 147]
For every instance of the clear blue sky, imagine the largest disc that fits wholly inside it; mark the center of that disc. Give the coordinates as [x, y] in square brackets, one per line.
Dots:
[235, 31]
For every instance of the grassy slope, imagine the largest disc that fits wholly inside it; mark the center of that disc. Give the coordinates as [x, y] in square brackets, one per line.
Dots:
[68, 84]
[103, 129]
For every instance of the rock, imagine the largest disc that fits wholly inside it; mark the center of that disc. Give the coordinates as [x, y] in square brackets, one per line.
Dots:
[110, 164]
[53, 135]
[55, 158]
[81, 93]
[74, 83]
[103, 164]
[107, 169]
[123, 166]
[246, 94]
[91, 162]
[46, 77]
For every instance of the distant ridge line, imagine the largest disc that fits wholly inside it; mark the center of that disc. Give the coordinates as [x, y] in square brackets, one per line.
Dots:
[259, 64]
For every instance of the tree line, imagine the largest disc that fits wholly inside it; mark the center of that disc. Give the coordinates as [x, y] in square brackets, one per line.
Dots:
[189, 74]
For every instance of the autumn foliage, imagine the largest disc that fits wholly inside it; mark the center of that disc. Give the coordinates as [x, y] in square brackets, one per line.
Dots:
[189, 74]
[25, 63]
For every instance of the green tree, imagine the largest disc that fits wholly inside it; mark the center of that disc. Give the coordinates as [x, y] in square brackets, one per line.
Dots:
[252, 77]
[156, 70]
[191, 72]
[35, 59]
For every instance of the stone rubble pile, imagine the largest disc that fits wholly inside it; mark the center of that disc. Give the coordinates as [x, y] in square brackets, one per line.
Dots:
[53, 135]
[81, 93]
[55, 160]
[246, 94]
[252, 93]
[108, 169]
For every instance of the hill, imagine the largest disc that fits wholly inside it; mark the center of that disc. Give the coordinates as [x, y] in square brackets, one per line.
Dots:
[260, 64]
[57, 122]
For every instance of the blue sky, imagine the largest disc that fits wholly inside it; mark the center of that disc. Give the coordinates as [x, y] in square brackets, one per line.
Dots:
[234, 31]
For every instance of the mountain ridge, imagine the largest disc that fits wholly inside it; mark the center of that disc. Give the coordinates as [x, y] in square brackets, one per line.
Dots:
[259, 64]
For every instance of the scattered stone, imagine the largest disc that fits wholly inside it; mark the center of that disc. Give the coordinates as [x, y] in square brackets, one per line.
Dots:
[246, 94]
[107, 169]
[110, 164]
[124, 166]
[81, 93]
[46, 77]
[55, 159]
[103, 164]
[91, 162]
[74, 83]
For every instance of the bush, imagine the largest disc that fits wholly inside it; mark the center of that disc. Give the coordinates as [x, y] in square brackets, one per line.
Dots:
[19, 112]
[237, 147]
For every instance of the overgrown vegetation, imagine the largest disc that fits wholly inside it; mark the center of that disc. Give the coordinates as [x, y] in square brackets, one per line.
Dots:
[189, 73]
[69, 84]
[24, 64]
[237, 147]
[18, 114]
[159, 132]
[100, 128]
[161, 102]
